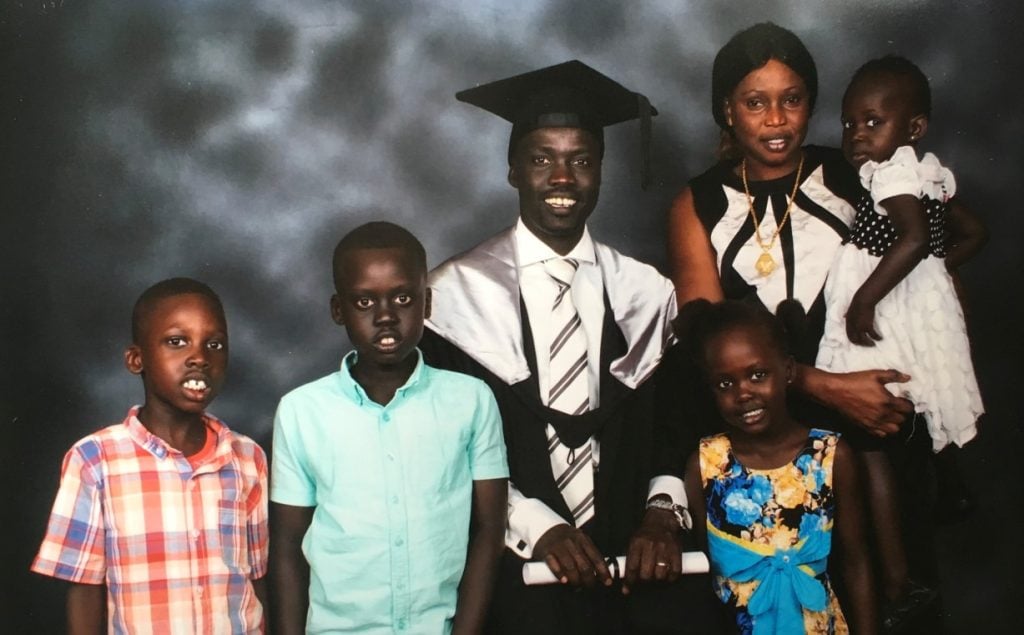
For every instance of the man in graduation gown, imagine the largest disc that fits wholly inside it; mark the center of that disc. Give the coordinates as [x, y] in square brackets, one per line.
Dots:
[598, 478]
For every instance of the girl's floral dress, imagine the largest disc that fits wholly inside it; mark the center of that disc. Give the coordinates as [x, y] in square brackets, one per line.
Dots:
[769, 536]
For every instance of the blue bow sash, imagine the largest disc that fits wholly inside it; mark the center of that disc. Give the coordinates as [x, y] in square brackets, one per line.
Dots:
[787, 577]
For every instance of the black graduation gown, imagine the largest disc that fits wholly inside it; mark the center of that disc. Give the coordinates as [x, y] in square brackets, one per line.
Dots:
[633, 450]
[623, 425]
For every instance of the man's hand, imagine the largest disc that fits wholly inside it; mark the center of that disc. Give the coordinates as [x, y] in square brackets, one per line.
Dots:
[572, 557]
[863, 398]
[655, 550]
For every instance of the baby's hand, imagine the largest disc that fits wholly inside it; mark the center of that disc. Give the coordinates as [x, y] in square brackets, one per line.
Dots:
[860, 323]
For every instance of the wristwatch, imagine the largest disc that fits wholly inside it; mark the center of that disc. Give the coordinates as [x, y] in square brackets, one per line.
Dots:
[681, 513]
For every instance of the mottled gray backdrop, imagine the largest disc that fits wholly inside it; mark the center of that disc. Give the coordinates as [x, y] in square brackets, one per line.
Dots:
[235, 142]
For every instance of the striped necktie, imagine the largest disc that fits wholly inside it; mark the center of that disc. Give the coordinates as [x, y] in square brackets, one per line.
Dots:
[569, 392]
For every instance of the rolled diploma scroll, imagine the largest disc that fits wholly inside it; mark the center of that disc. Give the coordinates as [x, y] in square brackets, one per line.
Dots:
[539, 573]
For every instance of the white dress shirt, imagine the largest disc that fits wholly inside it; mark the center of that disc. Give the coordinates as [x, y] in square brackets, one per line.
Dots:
[529, 518]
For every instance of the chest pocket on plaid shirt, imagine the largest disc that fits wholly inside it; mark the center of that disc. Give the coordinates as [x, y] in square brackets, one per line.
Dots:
[232, 534]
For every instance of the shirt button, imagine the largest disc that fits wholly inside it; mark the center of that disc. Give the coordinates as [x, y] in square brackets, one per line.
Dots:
[399, 542]
[785, 558]
[199, 590]
[385, 418]
[401, 624]
[195, 534]
[394, 500]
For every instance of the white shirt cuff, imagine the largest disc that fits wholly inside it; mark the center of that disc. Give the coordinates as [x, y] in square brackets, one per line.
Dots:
[528, 520]
[671, 486]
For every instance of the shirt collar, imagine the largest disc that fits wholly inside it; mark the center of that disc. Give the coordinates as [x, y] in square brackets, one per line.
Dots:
[352, 388]
[159, 448]
[532, 250]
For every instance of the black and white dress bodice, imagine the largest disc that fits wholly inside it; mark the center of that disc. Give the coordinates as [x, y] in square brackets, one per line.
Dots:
[823, 211]
[873, 230]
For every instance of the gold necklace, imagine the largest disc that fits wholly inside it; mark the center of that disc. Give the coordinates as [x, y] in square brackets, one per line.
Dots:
[765, 264]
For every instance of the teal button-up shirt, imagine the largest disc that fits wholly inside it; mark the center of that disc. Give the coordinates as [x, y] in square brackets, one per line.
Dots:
[392, 487]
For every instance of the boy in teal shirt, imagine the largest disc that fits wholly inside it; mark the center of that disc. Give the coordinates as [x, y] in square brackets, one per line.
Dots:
[378, 468]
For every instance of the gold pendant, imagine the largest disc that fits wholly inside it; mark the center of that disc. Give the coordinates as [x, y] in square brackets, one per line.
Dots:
[765, 264]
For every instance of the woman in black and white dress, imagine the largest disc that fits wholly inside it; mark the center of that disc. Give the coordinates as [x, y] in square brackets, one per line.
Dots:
[764, 225]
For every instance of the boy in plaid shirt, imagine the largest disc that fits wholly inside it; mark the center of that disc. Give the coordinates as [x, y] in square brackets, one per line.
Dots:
[160, 522]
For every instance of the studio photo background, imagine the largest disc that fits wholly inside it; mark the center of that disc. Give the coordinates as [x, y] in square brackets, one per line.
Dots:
[235, 142]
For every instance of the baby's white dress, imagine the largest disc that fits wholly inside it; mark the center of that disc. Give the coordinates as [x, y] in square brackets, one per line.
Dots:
[920, 320]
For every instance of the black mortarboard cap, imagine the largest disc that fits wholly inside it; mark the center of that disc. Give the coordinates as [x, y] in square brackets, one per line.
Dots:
[569, 95]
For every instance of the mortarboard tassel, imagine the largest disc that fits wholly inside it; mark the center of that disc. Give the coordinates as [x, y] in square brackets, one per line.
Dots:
[643, 106]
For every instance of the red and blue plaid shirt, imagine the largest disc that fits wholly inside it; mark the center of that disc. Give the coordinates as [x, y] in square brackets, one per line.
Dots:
[177, 548]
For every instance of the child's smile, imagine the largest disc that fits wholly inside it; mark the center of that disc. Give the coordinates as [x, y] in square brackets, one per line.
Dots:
[387, 342]
[748, 417]
[196, 387]
[755, 416]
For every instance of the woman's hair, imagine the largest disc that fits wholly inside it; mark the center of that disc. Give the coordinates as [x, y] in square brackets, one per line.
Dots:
[903, 70]
[700, 321]
[751, 49]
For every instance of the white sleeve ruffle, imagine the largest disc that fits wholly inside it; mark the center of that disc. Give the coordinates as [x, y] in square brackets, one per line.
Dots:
[937, 181]
[904, 174]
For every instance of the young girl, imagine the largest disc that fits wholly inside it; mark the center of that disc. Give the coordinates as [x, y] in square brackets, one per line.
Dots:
[890, 299]
[767, 495]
